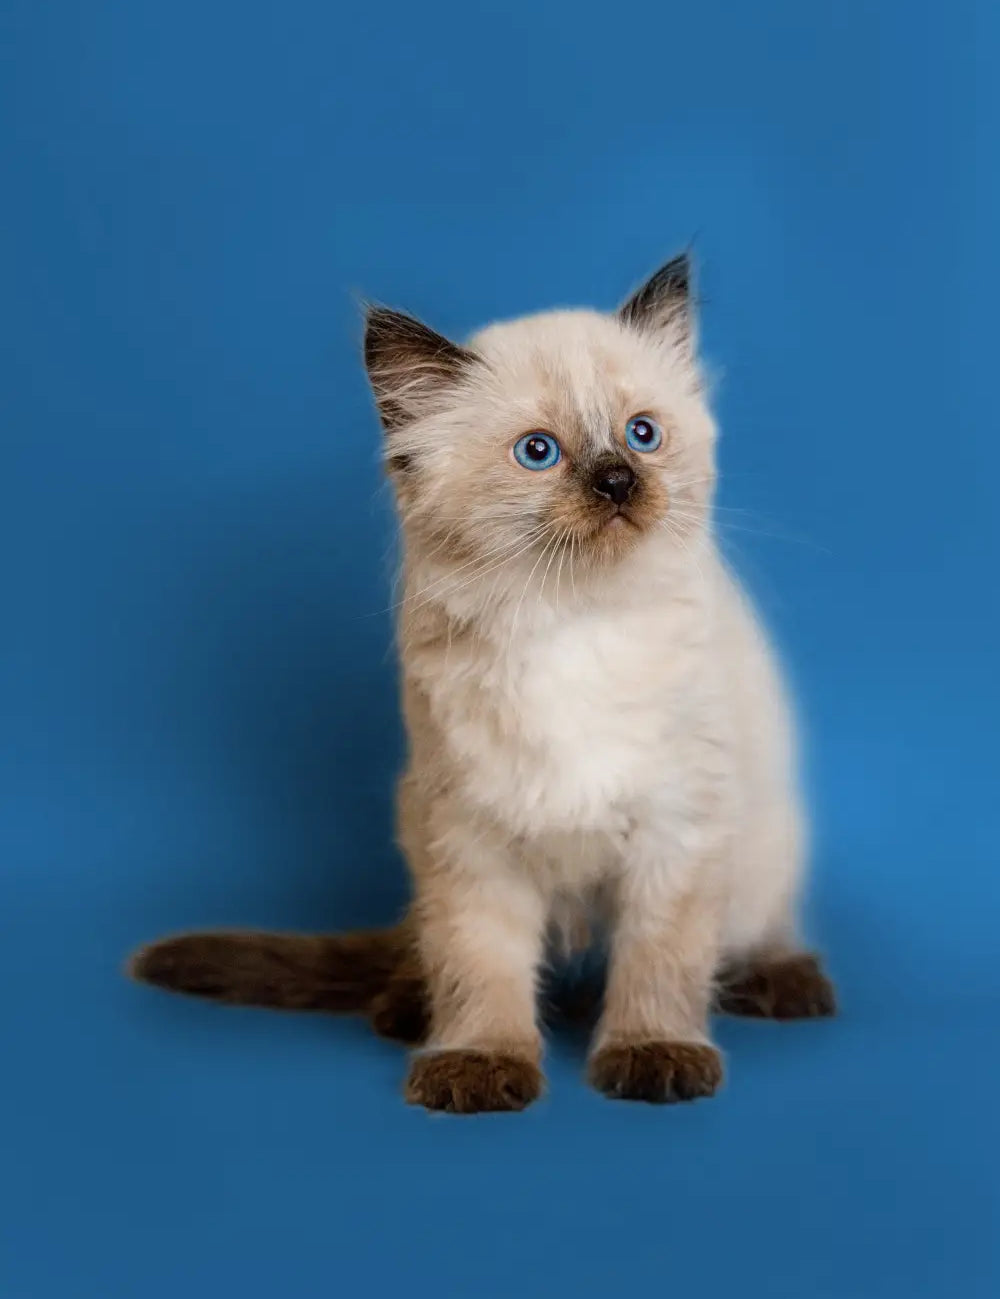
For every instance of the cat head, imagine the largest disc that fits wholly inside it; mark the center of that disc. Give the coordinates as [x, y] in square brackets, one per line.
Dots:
[564, 432]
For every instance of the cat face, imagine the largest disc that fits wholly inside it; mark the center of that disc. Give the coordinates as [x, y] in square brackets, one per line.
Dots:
[569, 432]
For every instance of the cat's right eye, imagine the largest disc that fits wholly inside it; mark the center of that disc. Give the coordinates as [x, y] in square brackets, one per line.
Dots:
[537, 451]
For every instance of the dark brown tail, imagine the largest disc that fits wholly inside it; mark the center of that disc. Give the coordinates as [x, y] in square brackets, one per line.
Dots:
[373, 972]
[342, 973]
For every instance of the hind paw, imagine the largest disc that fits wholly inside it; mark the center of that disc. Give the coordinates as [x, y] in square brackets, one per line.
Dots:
[790, 987]
[401, 1011]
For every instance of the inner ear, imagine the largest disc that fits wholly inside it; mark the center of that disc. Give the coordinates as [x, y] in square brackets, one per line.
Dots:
[410, 366]
[663, 303]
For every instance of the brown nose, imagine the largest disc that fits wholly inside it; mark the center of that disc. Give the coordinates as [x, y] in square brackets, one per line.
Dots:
[614, 482]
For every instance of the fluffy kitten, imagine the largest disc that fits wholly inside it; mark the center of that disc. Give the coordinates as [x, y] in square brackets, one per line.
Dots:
[597, 730]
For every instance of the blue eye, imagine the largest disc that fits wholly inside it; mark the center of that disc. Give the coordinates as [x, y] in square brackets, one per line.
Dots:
[643, 433]
[537, 451]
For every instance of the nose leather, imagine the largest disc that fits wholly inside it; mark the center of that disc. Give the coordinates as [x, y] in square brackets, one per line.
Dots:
[614, 481]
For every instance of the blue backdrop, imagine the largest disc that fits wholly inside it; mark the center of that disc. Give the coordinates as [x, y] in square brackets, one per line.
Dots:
[199, 721]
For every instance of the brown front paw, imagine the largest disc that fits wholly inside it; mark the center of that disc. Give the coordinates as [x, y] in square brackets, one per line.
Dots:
[470, 1082]
[792, 987]
[401, 1011]
[659, 1072]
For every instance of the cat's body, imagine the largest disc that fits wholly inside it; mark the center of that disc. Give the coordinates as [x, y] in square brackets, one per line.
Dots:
[597, 730]
[591, 721]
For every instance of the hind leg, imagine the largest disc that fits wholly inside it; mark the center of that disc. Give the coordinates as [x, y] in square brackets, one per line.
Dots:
[401, 1011]
[767, 971]
[777, 985]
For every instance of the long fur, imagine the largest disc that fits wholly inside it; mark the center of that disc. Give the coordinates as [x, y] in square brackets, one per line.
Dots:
[340, 973]
[598, 736]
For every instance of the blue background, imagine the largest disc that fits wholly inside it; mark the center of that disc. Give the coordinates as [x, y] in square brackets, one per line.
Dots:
[199, 718]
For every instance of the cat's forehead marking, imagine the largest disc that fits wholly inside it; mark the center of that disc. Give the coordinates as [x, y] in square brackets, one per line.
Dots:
[572, 367]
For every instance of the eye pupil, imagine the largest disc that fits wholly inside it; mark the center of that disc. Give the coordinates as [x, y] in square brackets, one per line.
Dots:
[643, 434]
[537, 448]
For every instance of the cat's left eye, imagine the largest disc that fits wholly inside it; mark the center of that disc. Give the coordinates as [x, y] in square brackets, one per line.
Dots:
[643, 433]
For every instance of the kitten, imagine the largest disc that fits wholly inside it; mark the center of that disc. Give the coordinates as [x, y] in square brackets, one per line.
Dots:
[597, 728]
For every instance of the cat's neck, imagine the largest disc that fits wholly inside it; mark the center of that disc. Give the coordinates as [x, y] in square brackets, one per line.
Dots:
[538, 597]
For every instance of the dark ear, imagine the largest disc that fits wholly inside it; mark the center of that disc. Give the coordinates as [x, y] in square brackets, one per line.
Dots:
[664, 302]
[409, 365]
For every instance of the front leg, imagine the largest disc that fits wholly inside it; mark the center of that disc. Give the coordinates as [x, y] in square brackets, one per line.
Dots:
[652, 1042]
[481, 926]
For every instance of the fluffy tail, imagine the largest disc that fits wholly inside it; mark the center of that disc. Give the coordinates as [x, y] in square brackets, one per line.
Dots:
[374, 972]
[343, 973]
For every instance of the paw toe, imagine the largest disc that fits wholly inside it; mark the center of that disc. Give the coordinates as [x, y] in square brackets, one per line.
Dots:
[473, 1082]
[794, 987]
[658, 1072]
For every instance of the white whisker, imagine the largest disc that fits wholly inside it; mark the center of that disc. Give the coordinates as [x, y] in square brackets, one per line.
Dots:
[517, 608]
[505, 559]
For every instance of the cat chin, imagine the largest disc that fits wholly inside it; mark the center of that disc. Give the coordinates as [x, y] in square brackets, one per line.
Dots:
[613, 539]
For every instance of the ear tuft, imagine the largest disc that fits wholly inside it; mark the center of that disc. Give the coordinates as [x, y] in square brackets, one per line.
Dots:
[409, 365]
